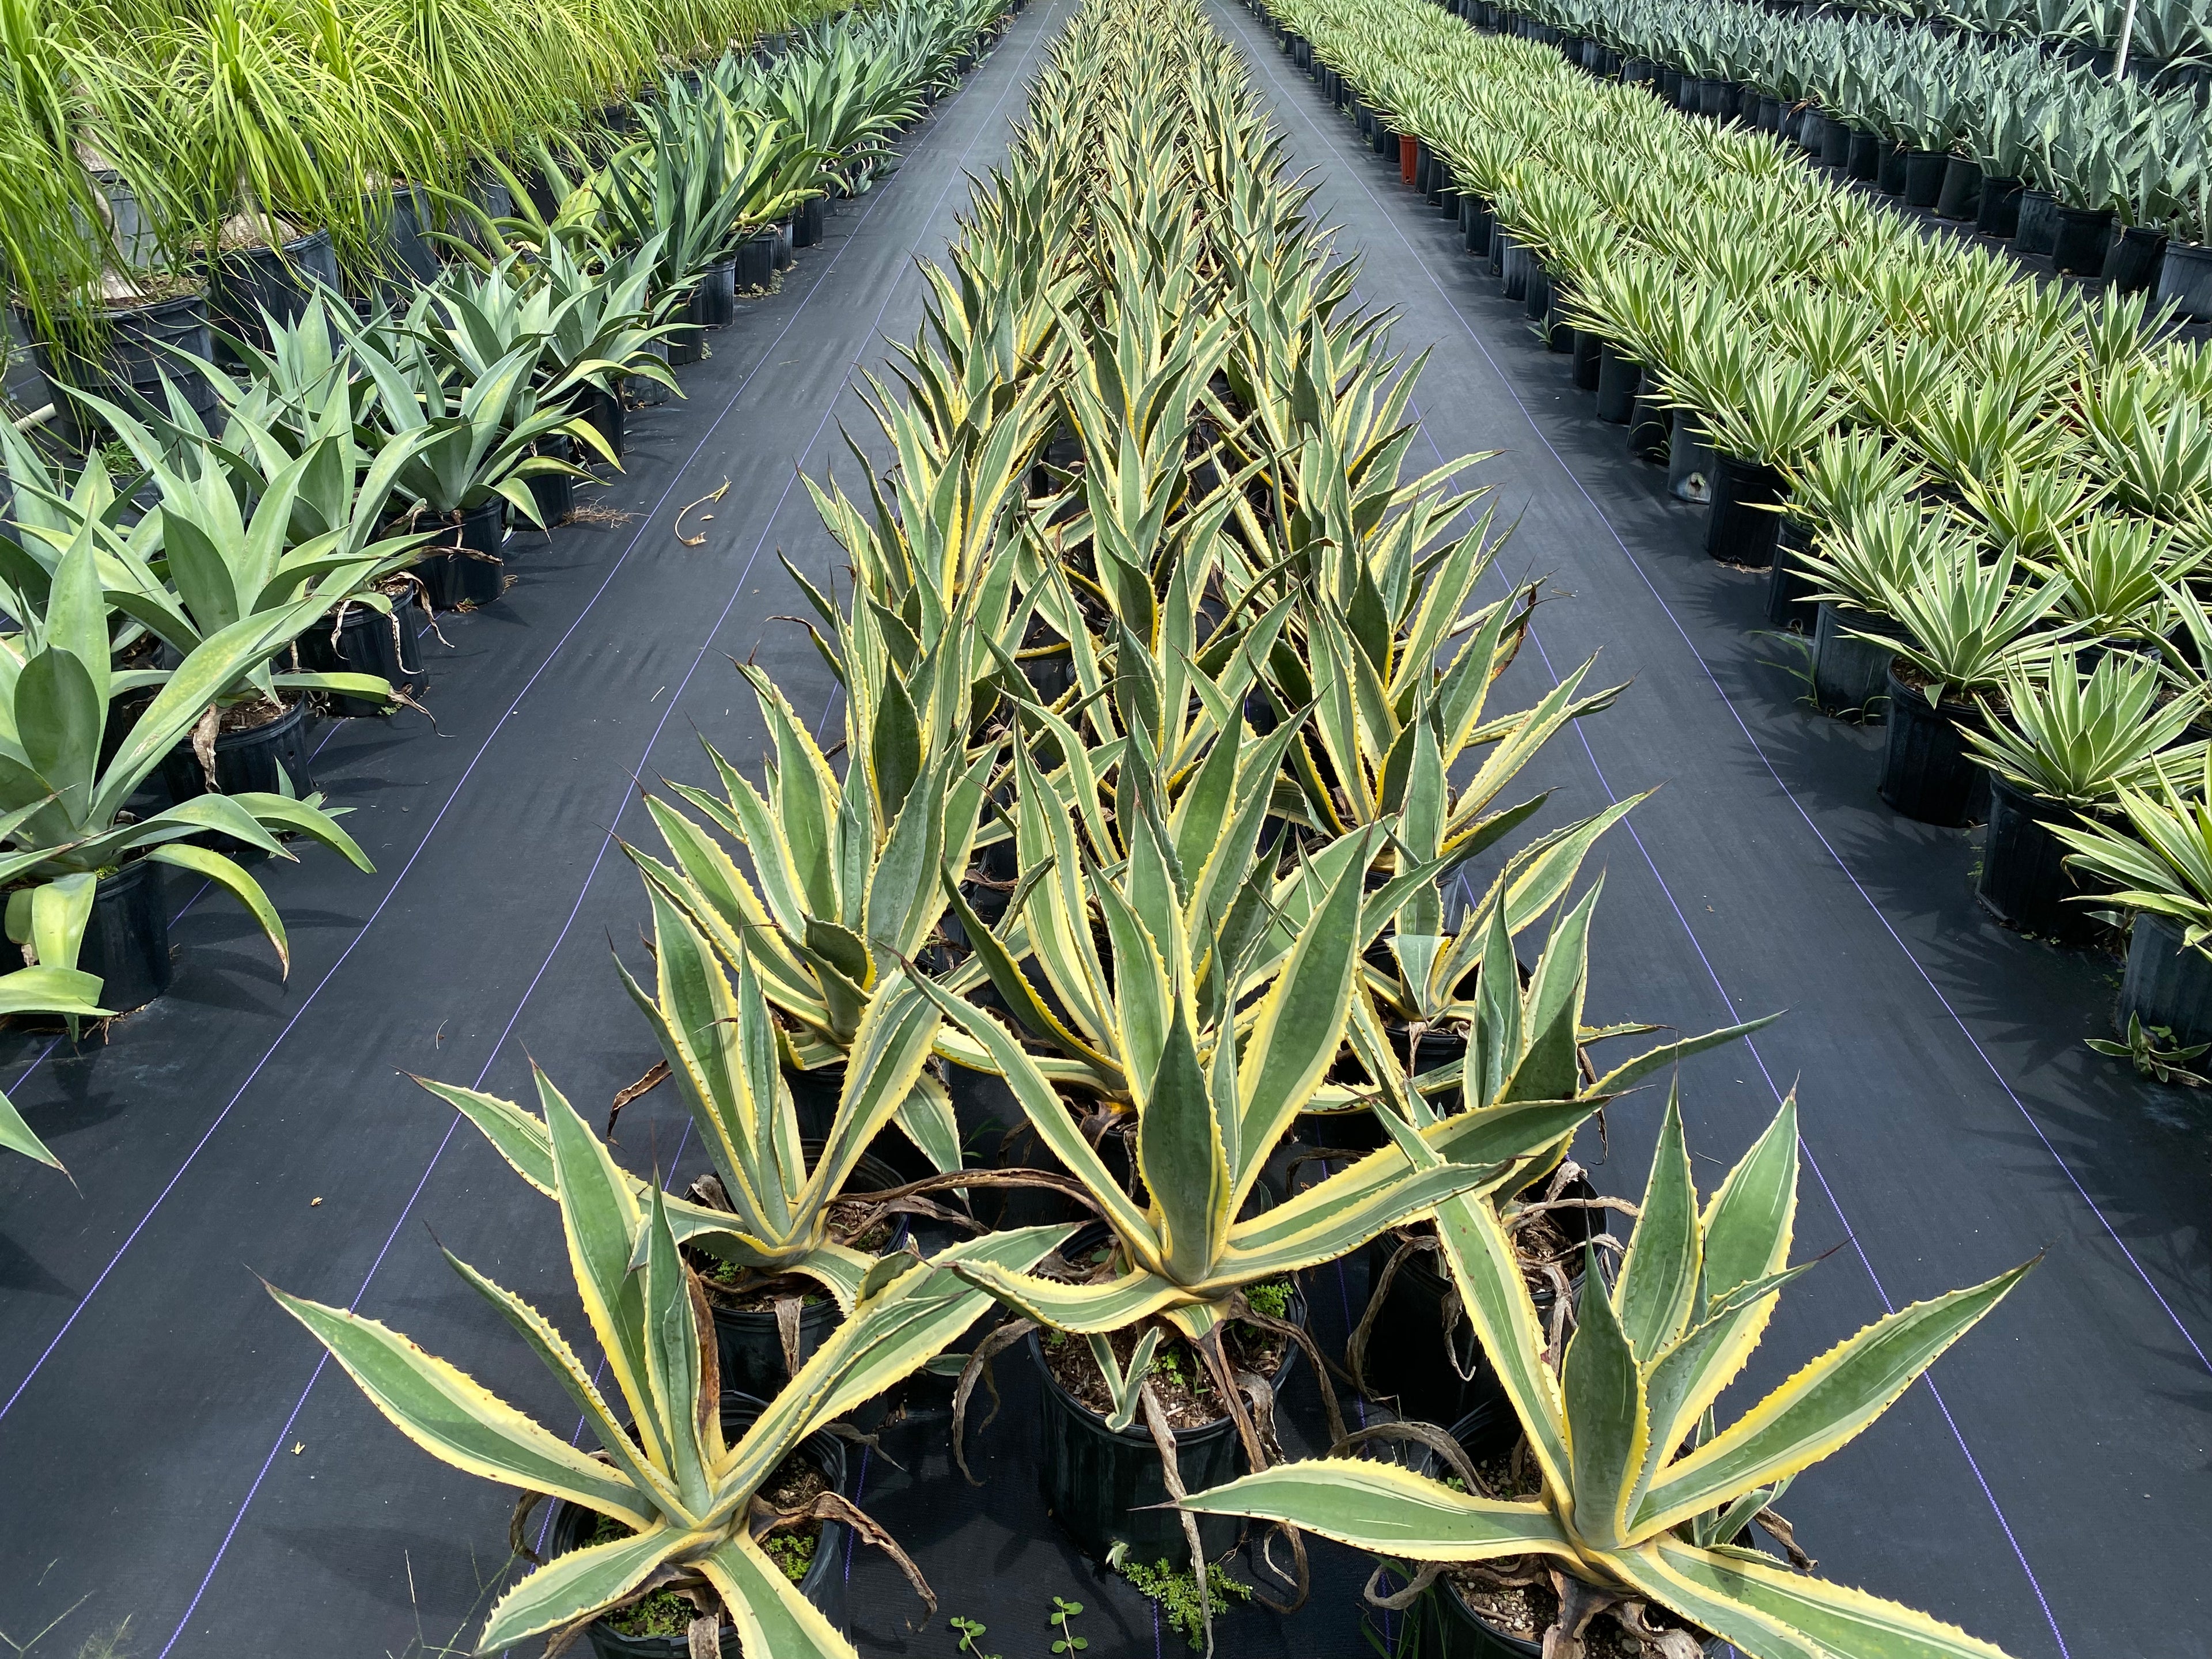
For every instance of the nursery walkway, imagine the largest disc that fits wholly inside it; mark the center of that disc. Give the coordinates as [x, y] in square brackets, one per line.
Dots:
[171, 1454]
[1954, 1123]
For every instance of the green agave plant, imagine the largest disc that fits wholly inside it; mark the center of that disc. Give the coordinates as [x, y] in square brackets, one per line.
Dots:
[1644, 1498]
[42, 990]
[690, 1501]
[62, 817]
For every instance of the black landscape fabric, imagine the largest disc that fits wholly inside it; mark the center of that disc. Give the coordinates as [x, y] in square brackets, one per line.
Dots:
[174, 1462]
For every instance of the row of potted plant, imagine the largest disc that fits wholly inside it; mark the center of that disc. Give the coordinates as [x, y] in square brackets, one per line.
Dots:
[2165, 38]
[2100, 177]
[1969, 489]
[355, 472]
[1155, 663]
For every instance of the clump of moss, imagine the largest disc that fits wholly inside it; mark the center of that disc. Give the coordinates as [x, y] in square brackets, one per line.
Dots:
[1272, 1299]
[792, 1551]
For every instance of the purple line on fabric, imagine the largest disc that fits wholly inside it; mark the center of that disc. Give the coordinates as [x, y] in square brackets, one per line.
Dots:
[1696, 944]
[859, 1487]
[737, 588]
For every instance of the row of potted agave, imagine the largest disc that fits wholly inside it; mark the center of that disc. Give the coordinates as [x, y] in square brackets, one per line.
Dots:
[260, 521]
[1212, 979]
[2005, 488]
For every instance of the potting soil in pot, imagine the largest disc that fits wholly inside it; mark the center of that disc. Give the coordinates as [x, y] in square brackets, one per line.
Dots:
[1180, 1381]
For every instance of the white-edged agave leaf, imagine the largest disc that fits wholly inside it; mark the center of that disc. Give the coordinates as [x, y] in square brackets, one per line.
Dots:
[1188, 1165]
[1486, 1272]
[458, 1420]
[905, 1312]
[1822, 1407]
[1833, 1618]
[574, 1586]
[516, 1135]
[1464, 1152]
[1384, 1509]
[1549, 1065]
[1657, 1571]
[719, 1045]
[1082, 1309]
[1749, 1222]
[889, 1049]
[682, 1403]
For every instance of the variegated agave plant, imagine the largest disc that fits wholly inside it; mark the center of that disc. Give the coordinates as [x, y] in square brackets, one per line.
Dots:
[691, 1499]
[767, 1210]
[1643, 1499]
[1210, 1111]
[849, 870]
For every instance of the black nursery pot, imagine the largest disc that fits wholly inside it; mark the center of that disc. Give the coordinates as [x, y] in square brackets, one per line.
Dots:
[2167, 983]
[1960, 197]
[1590, 350]
[248, 281]
[1740, 529]
[749, 1347]
[472, 572]
[1789, 602]
[1866, 155]
[756, 266]
[1927, 772]
[2132, 264]
[604, 409]
[806, 225]
[2024, 882]
[1410, 1356]
[1889, 177]
[246, 761]
[554, 494]
[1849, 674]
[1836, 145]
[126, 937]
[714, 298]
[2184, 278]
[1618, 379]
[1998, 213]
[362, 639]
[2084, 236]
[1100, 1486]
[569, 1526]
[1923, 177]
[136, 346]
[2036, 229]
[1651, 429]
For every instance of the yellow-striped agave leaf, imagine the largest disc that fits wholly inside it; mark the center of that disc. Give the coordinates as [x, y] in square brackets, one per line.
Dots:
[771, 1615]
[1387, 1509]
[458, 1420]
[573, 1587]
[1821, 1408]
[1608, 1429]
[1835, 1617]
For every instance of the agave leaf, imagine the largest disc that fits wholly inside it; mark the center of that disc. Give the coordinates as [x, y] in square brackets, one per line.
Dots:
[456, 1420]
[1821, 1408]
[1658, 1282]
[1382, 1508]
